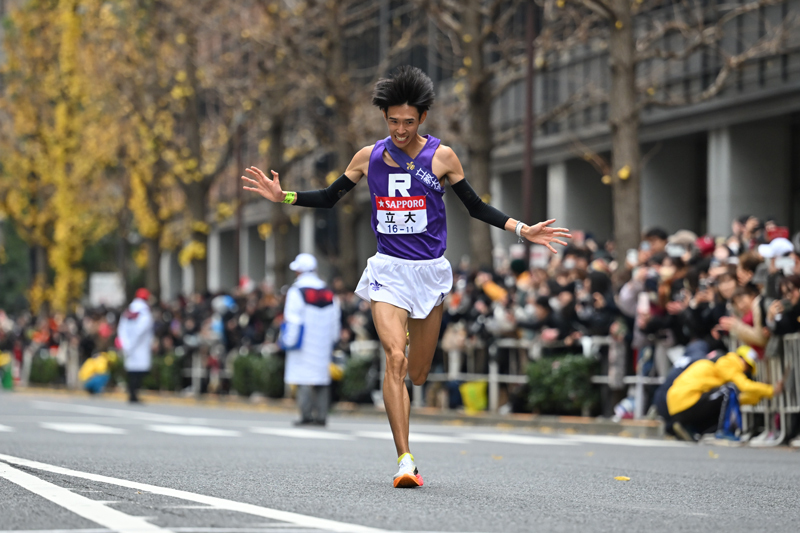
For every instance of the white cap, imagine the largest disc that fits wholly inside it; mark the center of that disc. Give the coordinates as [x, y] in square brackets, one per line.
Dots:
[304, 263]
[776, 248]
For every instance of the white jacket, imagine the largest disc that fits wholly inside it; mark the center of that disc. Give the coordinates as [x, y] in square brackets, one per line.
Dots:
[136, 336]
[318, 330]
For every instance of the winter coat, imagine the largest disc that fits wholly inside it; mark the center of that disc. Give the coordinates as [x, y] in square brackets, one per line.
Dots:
[704, 376]
[312, 320]
[136, 336]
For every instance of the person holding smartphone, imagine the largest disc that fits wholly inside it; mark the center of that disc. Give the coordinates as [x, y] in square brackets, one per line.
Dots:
[783, 316]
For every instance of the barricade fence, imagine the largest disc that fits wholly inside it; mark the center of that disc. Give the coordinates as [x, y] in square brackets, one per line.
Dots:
[780, 363]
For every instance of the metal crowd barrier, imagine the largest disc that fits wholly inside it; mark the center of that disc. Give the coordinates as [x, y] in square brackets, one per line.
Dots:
[639, 381]
[771, 370]
[516, 375]
[494, 378]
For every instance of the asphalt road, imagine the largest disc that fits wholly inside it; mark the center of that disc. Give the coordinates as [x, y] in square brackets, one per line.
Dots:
[93, 466]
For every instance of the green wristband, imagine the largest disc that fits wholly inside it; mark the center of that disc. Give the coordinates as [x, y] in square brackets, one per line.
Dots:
[290, 196]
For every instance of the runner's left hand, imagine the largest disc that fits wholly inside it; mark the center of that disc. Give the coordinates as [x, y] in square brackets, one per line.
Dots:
[542, 233]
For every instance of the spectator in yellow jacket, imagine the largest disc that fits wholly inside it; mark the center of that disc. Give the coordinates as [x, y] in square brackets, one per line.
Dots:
[698, 396]
[95, 373]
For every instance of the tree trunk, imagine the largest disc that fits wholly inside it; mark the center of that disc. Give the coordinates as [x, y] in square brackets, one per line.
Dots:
[347, 208]
[626, 157]
[152, 278]
[196, 194]
[196, 191]
[479, 136]
[279, 220]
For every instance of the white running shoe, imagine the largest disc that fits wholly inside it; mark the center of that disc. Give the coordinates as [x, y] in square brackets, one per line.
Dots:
[407, 476]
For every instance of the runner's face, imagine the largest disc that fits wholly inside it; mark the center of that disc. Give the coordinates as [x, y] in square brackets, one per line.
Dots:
[403, 121]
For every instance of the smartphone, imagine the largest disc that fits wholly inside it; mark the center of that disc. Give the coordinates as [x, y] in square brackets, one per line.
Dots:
[632, 257]
[786, 264]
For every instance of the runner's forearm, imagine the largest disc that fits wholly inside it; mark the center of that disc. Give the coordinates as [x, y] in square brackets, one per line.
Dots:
[324, 198]
[478, 208]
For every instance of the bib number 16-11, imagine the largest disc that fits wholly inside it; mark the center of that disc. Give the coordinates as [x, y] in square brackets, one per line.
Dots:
[401, 215]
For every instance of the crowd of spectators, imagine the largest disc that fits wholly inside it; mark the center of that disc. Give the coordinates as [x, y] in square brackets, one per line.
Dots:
[673, 292]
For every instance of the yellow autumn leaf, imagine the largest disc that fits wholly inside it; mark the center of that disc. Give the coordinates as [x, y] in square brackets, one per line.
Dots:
[265, 231]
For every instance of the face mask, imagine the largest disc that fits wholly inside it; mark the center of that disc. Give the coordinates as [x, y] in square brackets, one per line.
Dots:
[569, 264]
[675, 250]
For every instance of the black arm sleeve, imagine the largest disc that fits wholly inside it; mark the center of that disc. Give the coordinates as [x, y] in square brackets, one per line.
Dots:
[478, 208]
[325, 197]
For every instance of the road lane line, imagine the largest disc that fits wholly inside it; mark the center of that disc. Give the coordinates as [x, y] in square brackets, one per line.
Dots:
[625, 441]
[413, 437]
[6, 428]
[194, 431]
[517, 439]
[219, 503]
[117, 413]
[263, 528]
[89, 429]
[89, 509]
[301, 433]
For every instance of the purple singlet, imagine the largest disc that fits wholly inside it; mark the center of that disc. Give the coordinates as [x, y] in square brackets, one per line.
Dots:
[408, 215]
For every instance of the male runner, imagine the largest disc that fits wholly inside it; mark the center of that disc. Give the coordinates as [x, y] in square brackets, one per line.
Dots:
[408, 279]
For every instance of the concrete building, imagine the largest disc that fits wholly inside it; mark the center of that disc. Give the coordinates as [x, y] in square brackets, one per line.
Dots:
[736, 153]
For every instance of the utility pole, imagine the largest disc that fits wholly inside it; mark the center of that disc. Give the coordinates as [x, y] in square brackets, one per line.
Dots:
[239, 207]
[527, 169]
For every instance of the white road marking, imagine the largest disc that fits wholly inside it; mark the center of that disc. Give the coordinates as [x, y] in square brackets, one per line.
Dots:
[118, 413]
[300, 433]
[194, 431]
[517, 439]
[413, 437]
[89, 509]
[93, 429]
[219, 503]
[625, 441]
[6, 428]
[263, 528]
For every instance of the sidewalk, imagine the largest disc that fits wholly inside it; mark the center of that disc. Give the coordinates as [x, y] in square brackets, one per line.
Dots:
[540, 423]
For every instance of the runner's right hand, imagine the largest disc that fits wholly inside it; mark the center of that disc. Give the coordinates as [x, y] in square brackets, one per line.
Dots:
[268, 188]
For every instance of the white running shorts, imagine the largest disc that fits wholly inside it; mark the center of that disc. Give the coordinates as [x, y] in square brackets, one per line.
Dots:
[416, 286]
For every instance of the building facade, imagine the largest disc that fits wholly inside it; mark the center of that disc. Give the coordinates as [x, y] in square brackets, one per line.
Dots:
[704, 163]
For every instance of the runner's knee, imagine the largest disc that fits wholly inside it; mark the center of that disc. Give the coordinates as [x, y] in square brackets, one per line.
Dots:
[396, 364]
[418, 377]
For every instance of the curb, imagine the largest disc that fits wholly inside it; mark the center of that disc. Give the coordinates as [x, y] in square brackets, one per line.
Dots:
[539, 423]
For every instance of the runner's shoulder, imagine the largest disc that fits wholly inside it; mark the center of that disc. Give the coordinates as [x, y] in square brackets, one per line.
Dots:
[445, 154]
[446, 161]
[362, 156]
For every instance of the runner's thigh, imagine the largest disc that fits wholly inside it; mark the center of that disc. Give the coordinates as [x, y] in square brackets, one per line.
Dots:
[423, 336]
[390, 322]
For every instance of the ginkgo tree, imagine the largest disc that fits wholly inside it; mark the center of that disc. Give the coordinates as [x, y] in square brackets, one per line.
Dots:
[59, 137]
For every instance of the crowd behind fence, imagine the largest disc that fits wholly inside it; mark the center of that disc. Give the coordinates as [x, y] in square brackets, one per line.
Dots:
[634, 313]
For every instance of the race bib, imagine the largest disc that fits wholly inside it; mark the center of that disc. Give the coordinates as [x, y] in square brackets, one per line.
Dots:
[402, 214]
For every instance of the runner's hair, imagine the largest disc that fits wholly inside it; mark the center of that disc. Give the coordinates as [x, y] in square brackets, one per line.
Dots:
[408, 85]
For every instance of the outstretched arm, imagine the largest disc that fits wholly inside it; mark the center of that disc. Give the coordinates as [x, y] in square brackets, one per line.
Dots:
[271, 188]
[540, 233]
